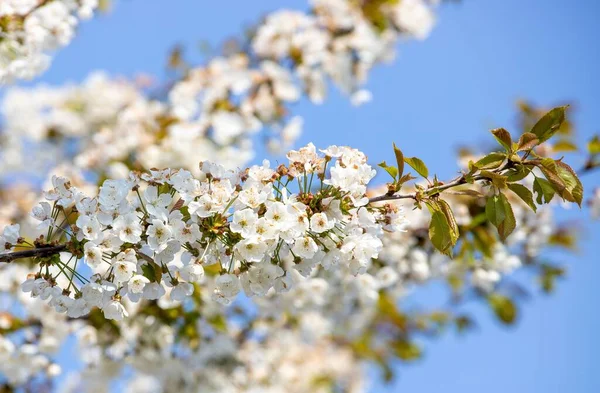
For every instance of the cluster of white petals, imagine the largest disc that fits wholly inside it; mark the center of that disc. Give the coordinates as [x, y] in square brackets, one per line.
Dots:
[32, 30]
[153, 234]
[214, 111]
[324, 268]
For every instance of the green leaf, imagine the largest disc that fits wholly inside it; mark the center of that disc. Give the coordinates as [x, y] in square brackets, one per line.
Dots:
[463, 323]
[491, 161]
[503, 307]
[499, 211]
[572, 183]
[418, 165]
[523, 193]
[445, 208]
[548, 276]
[527, 141]
[544, 190]
[563, 179]
[389, 169]
[594, 145]
[404, 179]
[494, 210]
[387, 306]
[496, 179]
[509, 224]
[503, 137]
[517, 174]
[406, 350]
[440, 232]
[550, 171]
[483, 240]
[465, 192]
[549, 124]
[399, 160]
[152, 272]
[218, 322]
[564, 146]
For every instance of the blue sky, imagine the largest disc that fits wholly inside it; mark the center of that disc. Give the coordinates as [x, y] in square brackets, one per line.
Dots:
[440, 93]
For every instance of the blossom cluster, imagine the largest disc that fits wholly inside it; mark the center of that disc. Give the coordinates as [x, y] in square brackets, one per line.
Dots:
[329, 302]
[31, 29]
[226, 362]
[340, 40]
[143, 244]
[214, 111]
[325, 299]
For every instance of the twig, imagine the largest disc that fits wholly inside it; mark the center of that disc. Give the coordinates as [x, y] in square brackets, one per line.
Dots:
[34, 252]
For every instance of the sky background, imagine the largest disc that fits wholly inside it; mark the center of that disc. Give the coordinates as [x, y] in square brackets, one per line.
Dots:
[439, 94]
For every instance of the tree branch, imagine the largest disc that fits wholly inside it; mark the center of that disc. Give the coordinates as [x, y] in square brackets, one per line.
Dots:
[34, 252]
[432, 191]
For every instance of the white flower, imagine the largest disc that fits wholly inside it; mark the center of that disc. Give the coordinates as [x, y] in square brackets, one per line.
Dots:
[156, 205]
[261, 173]
[168, 253]
[153, 291]
[259, 279]
[192, 273]
[292, 130]
[7, 348]
[78, 308]
[226, 126]
[251, 250]
[92, 254]
[387, 276]
[137, 283]
[265, 230]
[205, 206]
[305, 247]
[114, 310]
[159, 234]
[128, 228]
[419, 266]
[227, 288]
[86, 206]
[43, 213]
[243, 222]
[415, 17]
[112, 193]
[504, 262]
[9, 237]
[62, 192]
[181, 291]
[89, 228]
[277, 215]
[186, 232]
[283, 284]
[485, 280]
[319, 223]
[254, 194]
[93, 293]
[360, 97]
[123, 270]
[61, 303]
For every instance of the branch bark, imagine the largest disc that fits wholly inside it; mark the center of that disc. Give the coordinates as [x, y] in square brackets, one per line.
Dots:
[432, 191]
[34, 252]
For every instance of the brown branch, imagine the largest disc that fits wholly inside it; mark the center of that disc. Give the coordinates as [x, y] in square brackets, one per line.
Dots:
[34, 252]
[432, 191]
